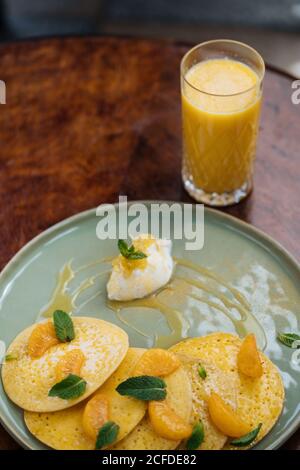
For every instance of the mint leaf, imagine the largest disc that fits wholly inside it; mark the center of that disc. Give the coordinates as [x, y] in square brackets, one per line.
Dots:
[70, 387]
[202, 372]
[144, 388]
[288, 339]
[107, 434]
[63, 325]
[10, 357]
[130, 252]
[123, 248]
[247, 439]
[136, 255]
[196, 438]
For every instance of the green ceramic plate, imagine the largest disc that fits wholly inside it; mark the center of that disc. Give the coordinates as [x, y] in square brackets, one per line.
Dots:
[243, 256]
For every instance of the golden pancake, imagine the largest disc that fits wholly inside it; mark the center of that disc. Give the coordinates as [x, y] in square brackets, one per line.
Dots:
[258, 400]
[63, 430]
[179, 395]
[27, 380]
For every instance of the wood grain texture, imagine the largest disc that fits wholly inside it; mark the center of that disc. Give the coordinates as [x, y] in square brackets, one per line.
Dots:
[87, 119]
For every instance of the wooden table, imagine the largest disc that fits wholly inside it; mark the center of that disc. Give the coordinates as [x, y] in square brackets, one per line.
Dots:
[89, 118]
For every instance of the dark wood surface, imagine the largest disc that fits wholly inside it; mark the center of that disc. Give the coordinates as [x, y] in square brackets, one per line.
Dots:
[89, 118]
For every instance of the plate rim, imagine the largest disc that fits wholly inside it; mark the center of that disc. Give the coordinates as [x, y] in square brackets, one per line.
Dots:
[245, 226]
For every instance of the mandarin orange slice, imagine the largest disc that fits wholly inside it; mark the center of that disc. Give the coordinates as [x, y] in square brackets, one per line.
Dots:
[41, 339]
[95, 414]
[166, 423]
[70, 363]
[157, 362]
[225, 418]
[248, 360]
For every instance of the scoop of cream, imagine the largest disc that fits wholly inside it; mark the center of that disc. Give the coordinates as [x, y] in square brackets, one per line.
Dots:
[135, 279]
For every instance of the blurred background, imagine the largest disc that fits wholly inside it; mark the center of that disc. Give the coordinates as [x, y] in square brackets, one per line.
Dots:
[271, 26]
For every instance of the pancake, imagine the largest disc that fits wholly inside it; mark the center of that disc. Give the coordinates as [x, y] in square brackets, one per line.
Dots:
[258, 400]
[63, 430]
[27, 381]
[179, 395]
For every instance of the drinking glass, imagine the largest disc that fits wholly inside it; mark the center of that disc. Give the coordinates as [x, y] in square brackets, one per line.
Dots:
[220, 130]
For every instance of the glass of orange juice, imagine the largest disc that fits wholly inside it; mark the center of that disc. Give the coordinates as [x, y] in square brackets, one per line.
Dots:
[221, 90]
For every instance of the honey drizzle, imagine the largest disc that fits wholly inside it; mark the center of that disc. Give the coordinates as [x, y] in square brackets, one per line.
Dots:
[62, 298]
[210, 274]
[228, 303]
[94, 263]
[177, 323]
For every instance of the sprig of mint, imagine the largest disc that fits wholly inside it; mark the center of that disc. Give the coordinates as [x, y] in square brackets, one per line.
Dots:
[202, 372]
[107, 434]
[247, 439]
[288, 339]
[196, 438]
[63, 325]
[10, 357]
[144, 387]
[129, 252]
[72, 386]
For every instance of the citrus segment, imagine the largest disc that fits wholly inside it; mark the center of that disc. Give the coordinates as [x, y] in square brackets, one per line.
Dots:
[249, 362]
[41, 339]
[166, 423]
[225, 418]
[70, 363]
[96, 413]
[157, 362]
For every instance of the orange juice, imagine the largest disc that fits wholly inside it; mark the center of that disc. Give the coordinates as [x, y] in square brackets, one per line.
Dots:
[221, 101]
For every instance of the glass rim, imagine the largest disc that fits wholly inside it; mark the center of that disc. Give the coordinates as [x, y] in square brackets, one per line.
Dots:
[229, 41]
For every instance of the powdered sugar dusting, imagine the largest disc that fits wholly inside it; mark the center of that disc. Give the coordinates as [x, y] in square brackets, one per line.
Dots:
[27, 381]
